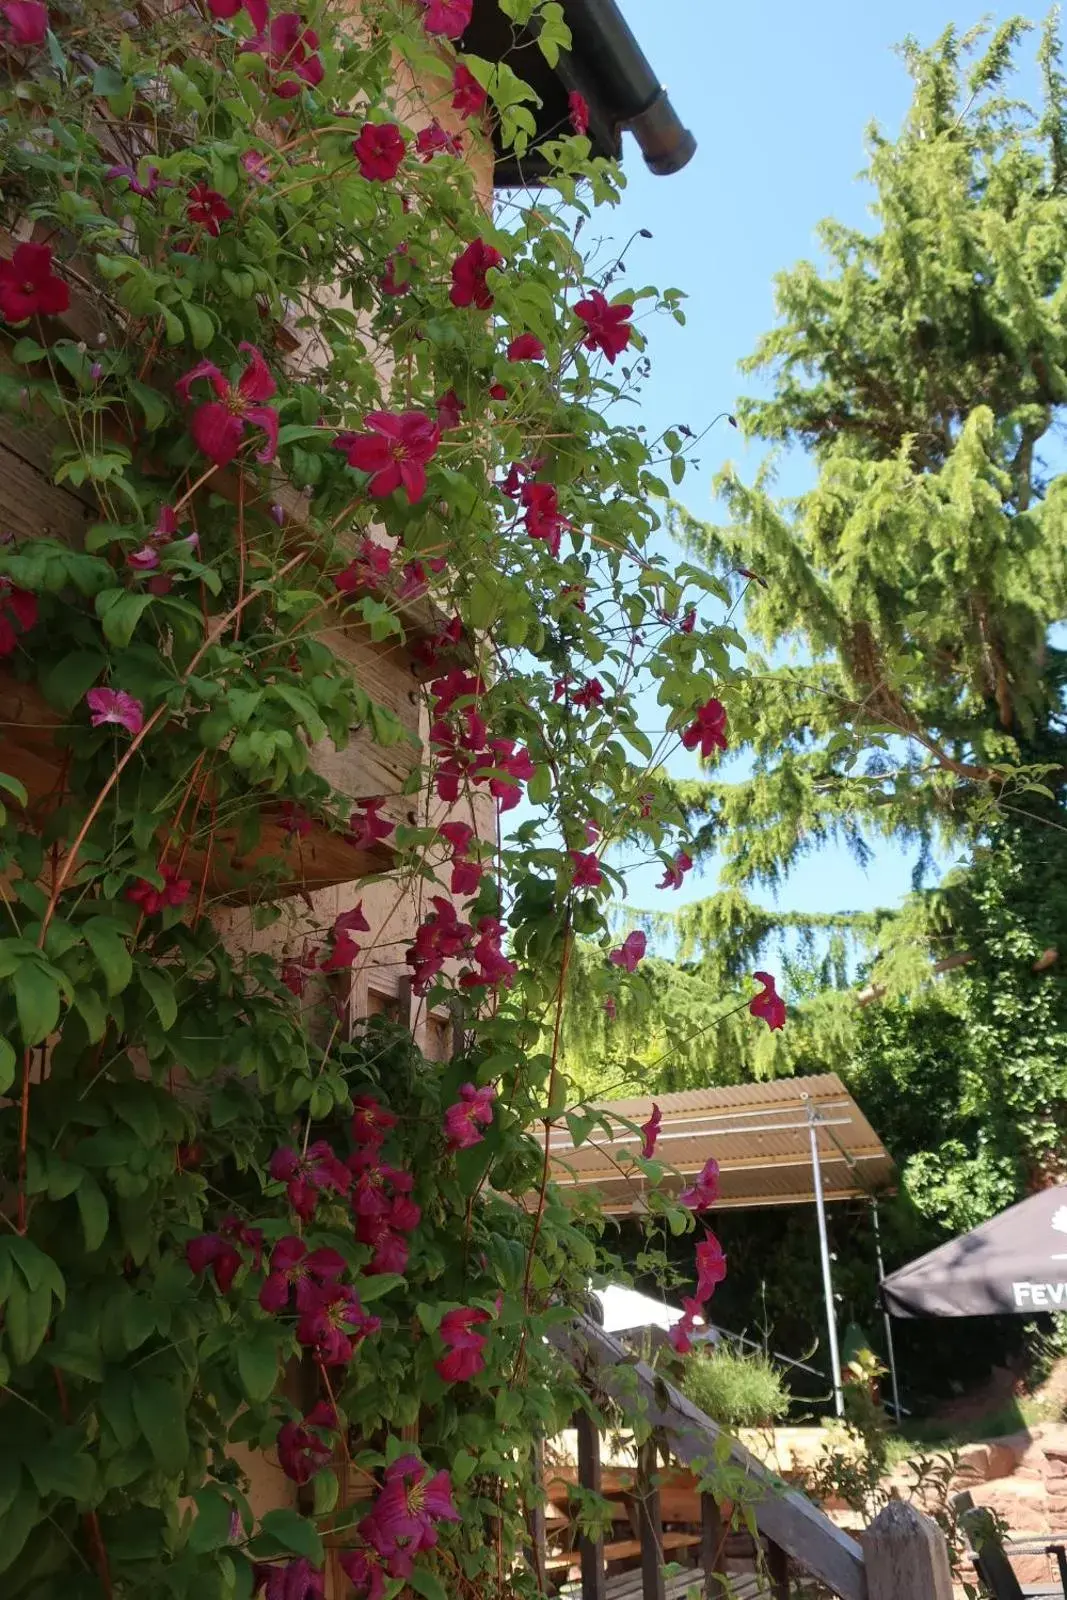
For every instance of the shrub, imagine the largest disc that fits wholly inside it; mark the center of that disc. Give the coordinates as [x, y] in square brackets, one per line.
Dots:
[737, 1389]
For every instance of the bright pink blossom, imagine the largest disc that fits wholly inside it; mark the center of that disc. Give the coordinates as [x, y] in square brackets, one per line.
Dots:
[18, 614]
[587, 870]
[175, 891]
[447, 17]
[608, 327]
[29, 287]
[365, 1570]
[371, 1121]
[711, 1266]
[768, 1004]
[468, 96]
[221, 1255]
[464, 1358]
[334, 1324]
[708, 730]
[412, 1500]
[673, 875]
[497, 391]
[302, 1450]
[578, 109]
[469, 286]
[290, 1580]
[630, 952]
[704, 1190]
[689, 620]
[295, 971]
[450, 410]
[590, 694]
[294, 819]
[367, 569]
[296, 1270]
[543, 519]
[256, 165]
[414, 576]
[440, 937]
[308, 1176]
[379, 149]
[289, 47]
[343, 953]
[492, 966]
[367, 831]
[223, 10]
[145, 186]
[390, 1248]
[434, 139]
[208, 210]
[526, 347]
[650, 1132]
[389, 283]
[27, 22]
[115, 705]
[471, 1112]
[395, 451]
[218, 425]
[610, 1008]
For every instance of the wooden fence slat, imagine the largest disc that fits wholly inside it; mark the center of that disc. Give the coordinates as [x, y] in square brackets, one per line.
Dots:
[712, 1545]
[649, 1524]
[778, 1569]
[906, 1554]
[590, 1551]
[785, 1516]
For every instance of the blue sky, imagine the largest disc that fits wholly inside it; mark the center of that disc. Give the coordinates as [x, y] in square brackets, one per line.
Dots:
[778, 97]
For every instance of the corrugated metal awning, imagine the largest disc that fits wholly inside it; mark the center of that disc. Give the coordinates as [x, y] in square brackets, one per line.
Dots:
[758, 1133]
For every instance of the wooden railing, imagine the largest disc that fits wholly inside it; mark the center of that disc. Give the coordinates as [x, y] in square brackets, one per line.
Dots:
[902, 1556]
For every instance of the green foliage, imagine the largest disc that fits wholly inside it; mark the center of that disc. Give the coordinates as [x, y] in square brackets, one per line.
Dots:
[740, 1389]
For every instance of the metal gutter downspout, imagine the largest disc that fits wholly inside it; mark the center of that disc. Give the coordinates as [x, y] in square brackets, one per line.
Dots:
[634, 93]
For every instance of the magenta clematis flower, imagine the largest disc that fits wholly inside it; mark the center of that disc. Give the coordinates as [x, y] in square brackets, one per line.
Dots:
[395, 452]
[302, 1451]
[469, 286]
[18, 614]
[146, 185]
[434, 140]
[27, 22]
[464, 1358]
[296, 1269]
[334, 1324]
[29, 287]
[291, 1580]
[768, 1004]
[708, 730]
[471, 1112]
[365, 1570]
[450, 409]
[368, 830]
[412, 1500]
[447, 17]
[517, 767]
[221, 1255]
[367, 569]
[493, 967]
[390, 1248]
[257, 166]
[379, 149]
[223, 10]
[704, 1190]
[673, 875]
[371, 1122]
[711, 1266]
[218, 426]
[578, 110]
[294, 819]
[610, 1009]
[344, 951]
[468, 96]
[526, 347]
[543, 519]
[587, 872]
[207, 208]
[650, 1132]
[630, 952]
[175, 891]
[590, 694]
[306, 1177]
[608, 327]
[115, 705]
[289, 47]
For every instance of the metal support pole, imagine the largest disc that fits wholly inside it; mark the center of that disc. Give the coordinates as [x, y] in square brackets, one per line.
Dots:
[824, 1251]
[885, 1314]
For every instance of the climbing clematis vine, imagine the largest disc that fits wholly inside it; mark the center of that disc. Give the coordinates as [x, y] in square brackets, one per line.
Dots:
[526, 347]
[27, 22]
[578, 112]
[447, 17]
[208, 209]
[379, 149]
[650, 1132]
[394, 451]
[115, 705]
[704, 1190]
[18, 614]
[630, 952]
[289, 47]
[464, 1358]
[28, 285]
[469, 286]
[218, 426]
[607, 327]
[175, 891]
[468, 96]
[472, 1112]
[226, 10]
[708, 730]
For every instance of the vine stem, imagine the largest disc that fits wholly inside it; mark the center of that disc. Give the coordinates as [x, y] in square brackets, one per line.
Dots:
[92, 1521]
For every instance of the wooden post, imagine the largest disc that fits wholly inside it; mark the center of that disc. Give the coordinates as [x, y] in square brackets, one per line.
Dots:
[591, 1551]
[905, 1554]
[778, 1570]
[712, 1545]
[650, 1524]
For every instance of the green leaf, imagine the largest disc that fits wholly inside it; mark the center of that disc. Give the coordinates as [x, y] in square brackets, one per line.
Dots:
[111, 952]
[160, 989]
[428, 1584]
[151, 402]
[326, 1490]
[60, 1468]
[257, 1365]
[120, 611]
[66, 682]
[26, 350]
[8, 1062]
[108, 82]
[381, 1283]
[211, 1530]
[26, 1318]
[21, 1519]
[201, 326]
[294, 1533]
[293, 431]
[36, 1001]
[94, 1212]
[160, 1411]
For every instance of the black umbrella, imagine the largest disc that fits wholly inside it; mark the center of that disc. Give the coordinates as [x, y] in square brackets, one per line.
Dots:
[1016, 1262]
